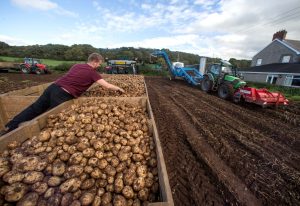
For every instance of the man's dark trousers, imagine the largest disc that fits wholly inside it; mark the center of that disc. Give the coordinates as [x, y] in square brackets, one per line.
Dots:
[52, 96]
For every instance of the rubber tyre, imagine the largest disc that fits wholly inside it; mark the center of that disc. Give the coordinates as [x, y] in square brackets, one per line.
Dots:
[206, 84]
[38, 71]
[24, 69]
[226, 91]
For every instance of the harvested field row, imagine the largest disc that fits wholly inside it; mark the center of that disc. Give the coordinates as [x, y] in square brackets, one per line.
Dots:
[254, 147]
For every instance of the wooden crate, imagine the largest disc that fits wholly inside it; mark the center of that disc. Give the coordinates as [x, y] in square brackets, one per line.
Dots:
[34, 127]
[12, 105]
[29, 91]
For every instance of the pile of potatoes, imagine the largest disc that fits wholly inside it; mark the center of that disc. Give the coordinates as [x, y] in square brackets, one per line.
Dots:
[132, 84]
[100, 152]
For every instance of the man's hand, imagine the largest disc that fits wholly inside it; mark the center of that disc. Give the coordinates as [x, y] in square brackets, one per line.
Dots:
[121, 90]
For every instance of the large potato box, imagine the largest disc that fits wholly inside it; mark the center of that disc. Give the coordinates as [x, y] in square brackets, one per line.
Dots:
[34, 126]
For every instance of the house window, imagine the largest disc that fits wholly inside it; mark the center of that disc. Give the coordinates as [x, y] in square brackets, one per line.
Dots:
[258, 62]
[288, 80]
[286, 59]
[272, 79]
[291, 80]
[296, 81]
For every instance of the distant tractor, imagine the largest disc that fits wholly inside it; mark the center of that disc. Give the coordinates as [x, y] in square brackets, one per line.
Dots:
[32, 65]
[223, 78]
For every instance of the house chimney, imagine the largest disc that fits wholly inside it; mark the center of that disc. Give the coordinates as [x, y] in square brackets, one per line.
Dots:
[280, 35]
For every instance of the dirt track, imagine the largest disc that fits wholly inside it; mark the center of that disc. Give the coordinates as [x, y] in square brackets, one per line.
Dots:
[219, 153]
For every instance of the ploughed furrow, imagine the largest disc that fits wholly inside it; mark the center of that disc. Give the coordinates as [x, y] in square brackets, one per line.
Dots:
[249, 157]
[261, 149]
[248, 136]
[264, 121]
[188, 173]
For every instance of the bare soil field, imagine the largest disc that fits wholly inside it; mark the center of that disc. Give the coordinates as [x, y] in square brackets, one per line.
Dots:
[15, 81]
[220, 153]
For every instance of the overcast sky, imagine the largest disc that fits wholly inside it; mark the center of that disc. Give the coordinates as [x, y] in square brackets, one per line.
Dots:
[220, 28]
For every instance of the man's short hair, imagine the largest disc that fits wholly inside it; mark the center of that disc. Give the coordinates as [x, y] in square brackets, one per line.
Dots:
[95, 57]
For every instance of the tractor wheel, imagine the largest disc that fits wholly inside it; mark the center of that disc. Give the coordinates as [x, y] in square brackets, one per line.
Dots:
[38, 71]
[24, 69]
[206, 84]
[226, 91]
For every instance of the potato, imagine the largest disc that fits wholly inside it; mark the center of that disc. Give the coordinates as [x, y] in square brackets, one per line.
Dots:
[71, 139]
[93, 161]
[102, 163]
[30, 199]
[110, 170]
[152, 162]
[97, 201]
[119, 185]
[106, 198]
[102, 183]
[87, 198]
[96, 173]
[50, 192]
[138, 184]
[33, 177]
[100, 192]
[75, 158]
[54, 181]
[137, 157]
[119, 200]
[142, 171]
[136, 202]
[75, 203]
[87, 184]
[121, 167]
[73, 171]
[148, 182]
[98, 145]
[55, 199]
[12, 145]
[114, 161]
[58, 168]
[15, 191]
[41, 165]
[143, 194]
[99, 154]
[67, 199]
[27, 164]
[64, 156]
[128, 192]
[13, 176]
[123, 155]
[89, 152]
[44, 136]
[81, 146]
[70, 185]
[39, 187]
[88, 169]
[51, 156]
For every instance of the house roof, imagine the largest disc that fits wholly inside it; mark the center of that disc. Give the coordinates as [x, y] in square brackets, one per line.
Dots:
[275, 68]
[293, 43]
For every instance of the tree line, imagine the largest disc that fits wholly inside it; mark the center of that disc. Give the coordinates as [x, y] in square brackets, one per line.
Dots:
[80, 52]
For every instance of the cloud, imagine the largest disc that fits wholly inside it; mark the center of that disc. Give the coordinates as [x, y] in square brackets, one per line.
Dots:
[12, 41]
[43, 5]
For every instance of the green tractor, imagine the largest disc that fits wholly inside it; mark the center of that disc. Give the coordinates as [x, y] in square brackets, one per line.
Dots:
[223, 78]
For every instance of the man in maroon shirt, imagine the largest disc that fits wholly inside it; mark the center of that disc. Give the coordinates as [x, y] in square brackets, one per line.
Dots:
[79, 78]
